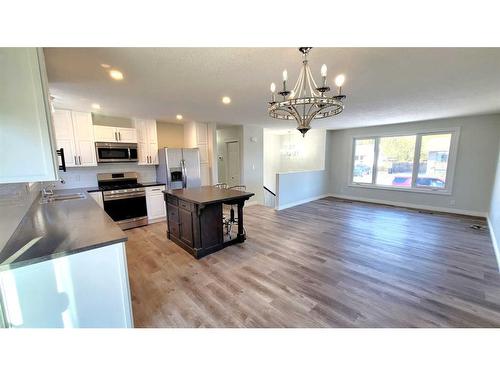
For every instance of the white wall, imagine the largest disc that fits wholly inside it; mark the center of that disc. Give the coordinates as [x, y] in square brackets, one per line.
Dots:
[272, 144]
[474, 170]
[305, 154]
[494, 214]
[253, 161]
[310, 151]
[294, 188]
[297, 187]
[87, 177]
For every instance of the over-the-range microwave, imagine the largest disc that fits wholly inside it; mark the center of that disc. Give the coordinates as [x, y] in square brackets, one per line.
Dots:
[114, 152]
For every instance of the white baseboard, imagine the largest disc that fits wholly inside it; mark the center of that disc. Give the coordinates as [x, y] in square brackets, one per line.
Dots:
[296, 203]
[415, 206]
[494, 241]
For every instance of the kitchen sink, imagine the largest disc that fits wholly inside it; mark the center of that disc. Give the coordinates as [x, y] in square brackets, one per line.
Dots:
[62, 197]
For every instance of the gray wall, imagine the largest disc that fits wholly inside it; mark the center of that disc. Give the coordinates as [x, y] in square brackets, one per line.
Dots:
[474, 171]
[495, 206]
[253, 166]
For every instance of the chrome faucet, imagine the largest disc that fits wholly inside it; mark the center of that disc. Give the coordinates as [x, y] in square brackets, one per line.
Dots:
[48, 190]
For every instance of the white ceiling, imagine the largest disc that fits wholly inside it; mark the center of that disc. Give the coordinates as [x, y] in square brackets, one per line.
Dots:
[383, 85]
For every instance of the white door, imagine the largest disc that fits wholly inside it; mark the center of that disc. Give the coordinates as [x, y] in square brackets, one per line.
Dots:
[127, 135]
[201, 133]
[155, 202]
[27, 144]
[152, 141]
[65, 138]
[84, 139]
[142, 141]
[233, 163]
[105, 133]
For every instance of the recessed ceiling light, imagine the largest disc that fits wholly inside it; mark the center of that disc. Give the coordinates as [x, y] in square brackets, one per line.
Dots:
[178, 117]
[116, 74]
[96, 106]
[106, 66]
[226, 99]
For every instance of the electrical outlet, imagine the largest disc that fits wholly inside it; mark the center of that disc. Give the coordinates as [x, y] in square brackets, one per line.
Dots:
[452, 202]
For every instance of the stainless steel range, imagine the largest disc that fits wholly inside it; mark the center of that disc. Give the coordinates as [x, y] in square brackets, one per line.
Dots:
[124, 198]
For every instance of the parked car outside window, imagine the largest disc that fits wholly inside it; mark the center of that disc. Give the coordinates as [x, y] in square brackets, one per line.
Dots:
[405, 181]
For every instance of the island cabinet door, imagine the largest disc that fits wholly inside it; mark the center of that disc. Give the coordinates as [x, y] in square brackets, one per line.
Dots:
[186, 226]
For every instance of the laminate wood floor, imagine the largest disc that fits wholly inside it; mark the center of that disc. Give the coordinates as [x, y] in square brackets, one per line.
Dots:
[328, 263]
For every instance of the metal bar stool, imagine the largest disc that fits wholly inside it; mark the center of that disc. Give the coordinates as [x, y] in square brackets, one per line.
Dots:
[232, 219]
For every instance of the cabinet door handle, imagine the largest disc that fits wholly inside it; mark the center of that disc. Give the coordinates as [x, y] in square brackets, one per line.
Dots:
[60, 153]
[79, 160]
[76, 163]
[119, 136]
[116, 136]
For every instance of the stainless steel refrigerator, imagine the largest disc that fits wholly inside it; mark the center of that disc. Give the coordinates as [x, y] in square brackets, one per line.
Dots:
[179, 167]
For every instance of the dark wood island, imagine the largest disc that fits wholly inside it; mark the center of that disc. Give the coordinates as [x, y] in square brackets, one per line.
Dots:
[194, 218]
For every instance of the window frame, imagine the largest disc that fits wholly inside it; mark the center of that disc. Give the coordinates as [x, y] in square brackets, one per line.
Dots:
[450, 169]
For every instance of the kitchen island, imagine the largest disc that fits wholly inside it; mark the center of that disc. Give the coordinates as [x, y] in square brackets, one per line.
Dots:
[195, 218]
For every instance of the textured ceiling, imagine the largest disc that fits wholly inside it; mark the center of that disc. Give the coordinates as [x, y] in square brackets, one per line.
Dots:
[383, 85]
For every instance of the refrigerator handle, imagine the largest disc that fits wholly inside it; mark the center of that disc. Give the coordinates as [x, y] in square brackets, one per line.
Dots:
[184, 174]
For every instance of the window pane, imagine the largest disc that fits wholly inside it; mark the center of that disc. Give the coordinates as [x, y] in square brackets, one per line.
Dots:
[395, 161]
[433, 161]
[363, 160]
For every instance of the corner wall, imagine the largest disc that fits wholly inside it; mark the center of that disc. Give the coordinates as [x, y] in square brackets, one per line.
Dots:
[494, 215]
[253, 163]
[474, 170]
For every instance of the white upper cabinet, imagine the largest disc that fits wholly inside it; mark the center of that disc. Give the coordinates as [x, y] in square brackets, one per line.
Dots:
[65, 136]
[196, 135]
[105, 134]
[27, 141]
[147, 141]
[114, 134]
[75, 134]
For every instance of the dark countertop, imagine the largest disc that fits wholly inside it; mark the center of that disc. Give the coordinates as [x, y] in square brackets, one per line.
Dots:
[59, 229]
[209, 194]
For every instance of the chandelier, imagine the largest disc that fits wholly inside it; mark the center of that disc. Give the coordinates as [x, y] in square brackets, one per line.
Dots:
[306, 101]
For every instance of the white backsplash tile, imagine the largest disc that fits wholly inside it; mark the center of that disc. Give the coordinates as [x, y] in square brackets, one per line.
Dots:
[87, 177]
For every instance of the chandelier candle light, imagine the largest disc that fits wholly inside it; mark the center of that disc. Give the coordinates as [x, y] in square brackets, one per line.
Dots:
[306, 101]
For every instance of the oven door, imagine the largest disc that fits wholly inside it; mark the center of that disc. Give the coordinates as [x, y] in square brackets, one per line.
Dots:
[130, 206]
[116, 152]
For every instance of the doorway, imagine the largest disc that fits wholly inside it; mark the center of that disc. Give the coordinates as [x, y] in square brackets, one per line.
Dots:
[233, 163]
[229, 154]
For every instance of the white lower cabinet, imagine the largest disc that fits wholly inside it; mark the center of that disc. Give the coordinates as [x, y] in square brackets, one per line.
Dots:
[155, 203]
[84, 290]
[97, 196]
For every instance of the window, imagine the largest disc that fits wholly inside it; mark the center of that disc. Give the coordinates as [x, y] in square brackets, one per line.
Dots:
[395, 160]
[417, 162]
[363, 160]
